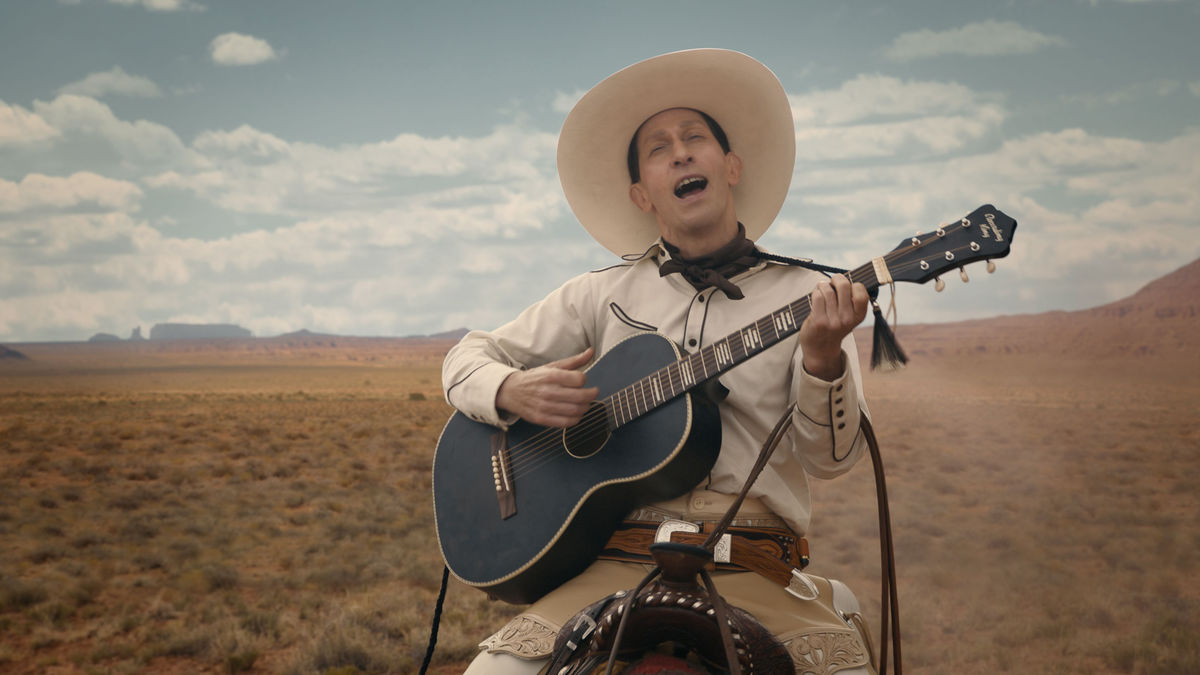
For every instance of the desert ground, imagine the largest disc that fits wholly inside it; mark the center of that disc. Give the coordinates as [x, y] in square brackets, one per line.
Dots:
[264, 505]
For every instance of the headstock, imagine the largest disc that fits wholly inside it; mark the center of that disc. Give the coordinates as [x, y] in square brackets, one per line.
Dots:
[984, 234]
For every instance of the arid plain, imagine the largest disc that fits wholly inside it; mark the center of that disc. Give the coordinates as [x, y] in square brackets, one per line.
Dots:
[264, 506]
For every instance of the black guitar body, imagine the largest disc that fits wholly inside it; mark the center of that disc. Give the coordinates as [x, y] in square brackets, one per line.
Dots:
[566, 506]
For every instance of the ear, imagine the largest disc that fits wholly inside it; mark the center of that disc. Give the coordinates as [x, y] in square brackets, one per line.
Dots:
[733, 166]
[640, 198]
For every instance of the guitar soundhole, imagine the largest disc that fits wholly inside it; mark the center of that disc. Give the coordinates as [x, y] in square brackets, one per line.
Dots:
[589, 434]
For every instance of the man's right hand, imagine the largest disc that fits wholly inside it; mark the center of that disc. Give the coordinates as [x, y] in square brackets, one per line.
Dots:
[552, 395]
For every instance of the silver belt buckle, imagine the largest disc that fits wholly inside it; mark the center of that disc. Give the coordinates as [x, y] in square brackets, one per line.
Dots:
[801, 586]
[670, 526]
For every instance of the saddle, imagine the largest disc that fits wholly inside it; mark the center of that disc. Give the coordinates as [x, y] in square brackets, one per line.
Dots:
[674, 621]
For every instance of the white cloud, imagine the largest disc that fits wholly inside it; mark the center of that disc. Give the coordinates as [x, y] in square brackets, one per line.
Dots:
[162, 5]
[489, 181]
[1133, 93]
[19, 126]
[83, 118]
[83, 190]
[984, 38]
[245, 142]
[875, 116]
[236, 49]
[113, 81]
[564, 101]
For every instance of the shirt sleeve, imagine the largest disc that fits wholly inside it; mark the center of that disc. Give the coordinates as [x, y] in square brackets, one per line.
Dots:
[828, 440]
[551, 329]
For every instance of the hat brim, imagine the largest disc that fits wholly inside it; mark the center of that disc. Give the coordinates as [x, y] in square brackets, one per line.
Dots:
[737, 91]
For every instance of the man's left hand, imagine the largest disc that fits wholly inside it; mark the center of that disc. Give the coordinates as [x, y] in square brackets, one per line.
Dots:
[837, 307]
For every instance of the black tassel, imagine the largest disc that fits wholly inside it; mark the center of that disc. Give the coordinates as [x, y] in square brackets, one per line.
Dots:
[884, 348]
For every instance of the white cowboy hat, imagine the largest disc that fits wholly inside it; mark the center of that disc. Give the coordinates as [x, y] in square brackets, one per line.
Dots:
[740, 93]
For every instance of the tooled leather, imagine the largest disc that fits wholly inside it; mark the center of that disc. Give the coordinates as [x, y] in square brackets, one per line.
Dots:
[823, 652]
[770, 554]
[524, 637]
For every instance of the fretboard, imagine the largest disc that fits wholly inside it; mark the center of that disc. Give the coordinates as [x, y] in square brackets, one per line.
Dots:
[695, 369]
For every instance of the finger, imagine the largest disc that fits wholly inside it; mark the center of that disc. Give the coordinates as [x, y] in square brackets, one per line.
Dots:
[562, 410]
[573, 362]
[564, 378]
[861, 299]
[820, 300]
[571, 394]
[846, 310]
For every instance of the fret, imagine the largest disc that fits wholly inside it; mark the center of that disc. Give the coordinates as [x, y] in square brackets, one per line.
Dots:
[738, 351]
[780, 325]
[656, 389]
[752, 337]
[774, 333]
[699, 356]
[685, 373]
[724, 357]
[643, 406]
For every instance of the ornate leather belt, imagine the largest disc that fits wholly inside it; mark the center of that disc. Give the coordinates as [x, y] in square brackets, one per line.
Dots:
[773, 552]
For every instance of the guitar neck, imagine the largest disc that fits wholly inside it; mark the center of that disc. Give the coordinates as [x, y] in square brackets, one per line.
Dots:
[694, 370]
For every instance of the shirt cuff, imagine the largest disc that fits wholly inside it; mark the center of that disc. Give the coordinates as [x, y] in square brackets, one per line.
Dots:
[831, 404]
[475, 396]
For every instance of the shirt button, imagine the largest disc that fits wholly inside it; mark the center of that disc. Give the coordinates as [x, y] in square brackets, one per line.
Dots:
[699, 503]
[691, 342]
[700, 298]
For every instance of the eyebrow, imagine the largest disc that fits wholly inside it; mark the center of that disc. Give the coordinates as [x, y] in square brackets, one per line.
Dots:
[645, 139]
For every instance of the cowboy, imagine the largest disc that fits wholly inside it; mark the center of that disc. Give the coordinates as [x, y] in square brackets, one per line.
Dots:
[677, 164]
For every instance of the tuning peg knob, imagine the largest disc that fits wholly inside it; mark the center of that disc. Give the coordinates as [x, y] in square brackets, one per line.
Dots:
[962, 274]
[991, 267]
[938, 284]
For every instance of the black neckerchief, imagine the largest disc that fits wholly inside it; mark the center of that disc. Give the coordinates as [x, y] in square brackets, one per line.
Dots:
[717, 267]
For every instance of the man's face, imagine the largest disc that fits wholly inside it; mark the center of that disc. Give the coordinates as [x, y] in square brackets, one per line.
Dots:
[686, 178]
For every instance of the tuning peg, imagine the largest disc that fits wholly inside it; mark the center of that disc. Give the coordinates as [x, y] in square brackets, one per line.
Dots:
[991, 267]
[962, 274]
[938, 284]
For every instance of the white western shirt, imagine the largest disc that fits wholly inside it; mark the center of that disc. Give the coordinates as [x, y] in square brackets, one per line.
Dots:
[601, 308]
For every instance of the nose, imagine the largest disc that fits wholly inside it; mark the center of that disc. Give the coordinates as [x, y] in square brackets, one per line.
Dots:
[680, 153]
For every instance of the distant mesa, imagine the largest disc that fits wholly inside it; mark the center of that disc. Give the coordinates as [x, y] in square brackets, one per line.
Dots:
[197, 331]
[104, 337]
[306, 333]
[6, 353]
[136, 335]
[456, 334]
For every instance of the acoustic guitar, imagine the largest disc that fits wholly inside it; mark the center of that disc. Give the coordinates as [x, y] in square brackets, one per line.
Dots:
[519, 512]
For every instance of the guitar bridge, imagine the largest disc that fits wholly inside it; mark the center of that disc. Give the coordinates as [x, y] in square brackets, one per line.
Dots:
[502, 475]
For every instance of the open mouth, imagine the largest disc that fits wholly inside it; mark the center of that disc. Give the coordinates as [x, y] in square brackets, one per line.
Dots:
[690, 185]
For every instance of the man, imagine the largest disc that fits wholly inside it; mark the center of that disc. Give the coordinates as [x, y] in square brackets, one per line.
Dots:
[676, 163]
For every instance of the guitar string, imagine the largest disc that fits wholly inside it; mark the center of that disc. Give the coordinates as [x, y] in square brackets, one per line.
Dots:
[524, 458]
[527, 455]
[597, 425]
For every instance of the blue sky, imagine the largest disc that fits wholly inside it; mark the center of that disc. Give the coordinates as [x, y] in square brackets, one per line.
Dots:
[387, 168]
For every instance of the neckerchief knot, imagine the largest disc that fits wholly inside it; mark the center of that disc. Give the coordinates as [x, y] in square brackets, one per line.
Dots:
[716, 268]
